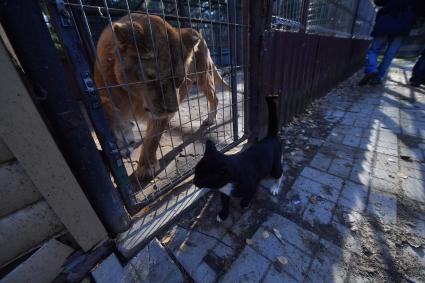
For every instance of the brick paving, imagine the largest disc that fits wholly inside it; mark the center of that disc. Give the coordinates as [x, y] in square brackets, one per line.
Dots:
[352, 204]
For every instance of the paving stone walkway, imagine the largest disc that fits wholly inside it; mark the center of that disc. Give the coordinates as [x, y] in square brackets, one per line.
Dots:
[352, 207]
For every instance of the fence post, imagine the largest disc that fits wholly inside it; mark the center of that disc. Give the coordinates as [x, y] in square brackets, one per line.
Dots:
[54, 94]
[232, 6]
[304, 18]
[353, 25]
[259, 19]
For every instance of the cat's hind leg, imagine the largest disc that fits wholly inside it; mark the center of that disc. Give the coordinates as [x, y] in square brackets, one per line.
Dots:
[275, 188]
[277, 174]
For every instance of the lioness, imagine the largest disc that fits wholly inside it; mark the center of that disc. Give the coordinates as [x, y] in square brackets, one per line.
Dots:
[145, 68]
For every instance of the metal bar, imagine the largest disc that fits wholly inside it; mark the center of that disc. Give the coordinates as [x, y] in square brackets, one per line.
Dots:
[304, 18]
[179, 8]
[159, 78]
[214, 47]
[258, 24]
[107, 89]
[91, 98]
[196, 69]
[60, 105]
[245, 70]
[356, 13]
[115, 12]
[207, 23]
[181, 12]
[221, 61]
[231, 6]
[165, 78]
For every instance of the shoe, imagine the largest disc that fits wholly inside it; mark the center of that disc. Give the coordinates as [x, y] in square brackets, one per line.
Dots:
[367, 78]
[375, 81]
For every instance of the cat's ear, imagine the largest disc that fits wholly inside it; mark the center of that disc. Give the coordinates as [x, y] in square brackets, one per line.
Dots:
[210, 147]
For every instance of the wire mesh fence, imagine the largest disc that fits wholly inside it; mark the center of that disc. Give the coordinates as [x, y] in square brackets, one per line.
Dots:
[172, 73]
[342, 18]
[169, 74]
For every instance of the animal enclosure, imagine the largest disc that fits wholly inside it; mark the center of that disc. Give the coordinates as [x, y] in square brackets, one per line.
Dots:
[202, 99]
[155, 79]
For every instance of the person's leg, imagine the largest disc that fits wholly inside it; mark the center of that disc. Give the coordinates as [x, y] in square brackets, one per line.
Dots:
[394, 44]
[371, 64]
[418, 72]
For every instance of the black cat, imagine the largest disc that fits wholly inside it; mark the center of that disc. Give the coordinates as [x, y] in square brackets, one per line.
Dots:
[239, 175]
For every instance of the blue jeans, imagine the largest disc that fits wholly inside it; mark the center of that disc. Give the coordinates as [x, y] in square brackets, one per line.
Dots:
[377, 44]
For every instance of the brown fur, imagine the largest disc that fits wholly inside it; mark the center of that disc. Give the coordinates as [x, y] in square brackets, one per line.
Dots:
[181, 53]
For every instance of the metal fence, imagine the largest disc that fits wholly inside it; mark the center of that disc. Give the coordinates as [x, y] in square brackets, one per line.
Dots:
[169, 75]
[130, 85]
[342, 18]
[161, 108]
[308, 47]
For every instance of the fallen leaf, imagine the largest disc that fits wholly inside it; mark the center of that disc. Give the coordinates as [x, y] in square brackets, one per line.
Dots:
[402, 175]
[183, 247]
[146, 209]
[166, 239]
[313, 199]
[249, 241]
[265, 234]
[277, 234]
[282, 260]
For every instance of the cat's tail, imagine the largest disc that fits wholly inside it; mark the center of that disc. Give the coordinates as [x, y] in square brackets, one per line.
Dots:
[273, 120]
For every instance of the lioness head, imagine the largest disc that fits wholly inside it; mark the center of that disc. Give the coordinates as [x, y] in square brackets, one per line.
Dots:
[152, 58]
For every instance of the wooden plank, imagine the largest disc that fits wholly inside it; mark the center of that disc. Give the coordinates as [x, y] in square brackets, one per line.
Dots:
[25, 133]
[5, 153]
[43, 266]
[26, 229]
[16, 189]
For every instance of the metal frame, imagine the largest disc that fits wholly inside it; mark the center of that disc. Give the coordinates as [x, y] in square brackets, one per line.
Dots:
[54, 95]
[65, 27]
[71, 19]
[303, 17]
[71, 22]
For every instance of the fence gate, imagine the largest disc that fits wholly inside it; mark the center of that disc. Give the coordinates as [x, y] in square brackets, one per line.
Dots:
[157, 78]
